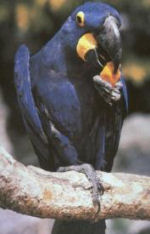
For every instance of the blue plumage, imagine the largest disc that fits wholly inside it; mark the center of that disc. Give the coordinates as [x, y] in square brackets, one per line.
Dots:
[61, 86]
[23, 86]
[67, 119]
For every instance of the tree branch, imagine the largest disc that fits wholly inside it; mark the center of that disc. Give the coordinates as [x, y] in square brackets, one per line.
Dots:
[33, 191]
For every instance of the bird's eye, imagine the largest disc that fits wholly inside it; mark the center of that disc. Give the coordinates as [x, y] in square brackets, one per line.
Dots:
[80, 18]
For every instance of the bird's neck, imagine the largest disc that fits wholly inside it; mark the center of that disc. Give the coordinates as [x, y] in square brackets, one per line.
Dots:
[52, 55]
[55, 56]
[61, 59]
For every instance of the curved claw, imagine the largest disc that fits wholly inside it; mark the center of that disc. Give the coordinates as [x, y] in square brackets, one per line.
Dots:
[90, 173]
[100, 187]
[99, 81]
[109, 93]
[119, 85]
[61, 169]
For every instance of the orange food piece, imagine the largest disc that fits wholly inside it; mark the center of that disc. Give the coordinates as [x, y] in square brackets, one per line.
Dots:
[108, 74]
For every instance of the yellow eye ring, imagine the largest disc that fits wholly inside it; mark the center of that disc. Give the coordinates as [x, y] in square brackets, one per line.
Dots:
[80, 18]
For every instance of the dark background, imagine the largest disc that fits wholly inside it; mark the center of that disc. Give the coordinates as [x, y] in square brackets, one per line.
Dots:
[33, 22]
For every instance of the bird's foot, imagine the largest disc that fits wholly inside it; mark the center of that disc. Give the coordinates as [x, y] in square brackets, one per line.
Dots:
[110, 94]
[88, 170]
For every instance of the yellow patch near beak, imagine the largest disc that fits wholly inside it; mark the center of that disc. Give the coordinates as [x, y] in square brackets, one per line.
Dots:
[86, 42]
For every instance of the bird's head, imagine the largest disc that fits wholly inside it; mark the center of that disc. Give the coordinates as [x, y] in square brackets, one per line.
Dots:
[92, 31]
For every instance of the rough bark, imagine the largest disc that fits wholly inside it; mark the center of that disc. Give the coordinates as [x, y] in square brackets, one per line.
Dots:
[33, 191]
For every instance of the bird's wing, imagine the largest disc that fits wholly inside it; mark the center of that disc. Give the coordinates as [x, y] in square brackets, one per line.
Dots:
[109, 130]
[113, 129]
[60, 114]
[114, 125]
[125, 95]
[60, 99]
[27, 104]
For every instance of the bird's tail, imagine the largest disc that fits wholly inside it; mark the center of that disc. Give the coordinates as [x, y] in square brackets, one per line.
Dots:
[79, 227]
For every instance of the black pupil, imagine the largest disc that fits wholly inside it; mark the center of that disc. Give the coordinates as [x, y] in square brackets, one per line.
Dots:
[79, 19]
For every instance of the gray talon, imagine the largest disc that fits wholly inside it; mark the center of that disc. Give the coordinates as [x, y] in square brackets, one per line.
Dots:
[119, 85]
[109, 93]
[90, 173]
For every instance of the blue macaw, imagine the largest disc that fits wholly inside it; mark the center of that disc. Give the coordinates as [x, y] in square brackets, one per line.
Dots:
[72, 114]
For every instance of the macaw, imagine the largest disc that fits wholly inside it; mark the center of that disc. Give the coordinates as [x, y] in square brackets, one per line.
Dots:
[73, 99]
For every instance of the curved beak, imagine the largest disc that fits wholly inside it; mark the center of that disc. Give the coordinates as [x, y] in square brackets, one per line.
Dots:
[110, 40]
[102, 47]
